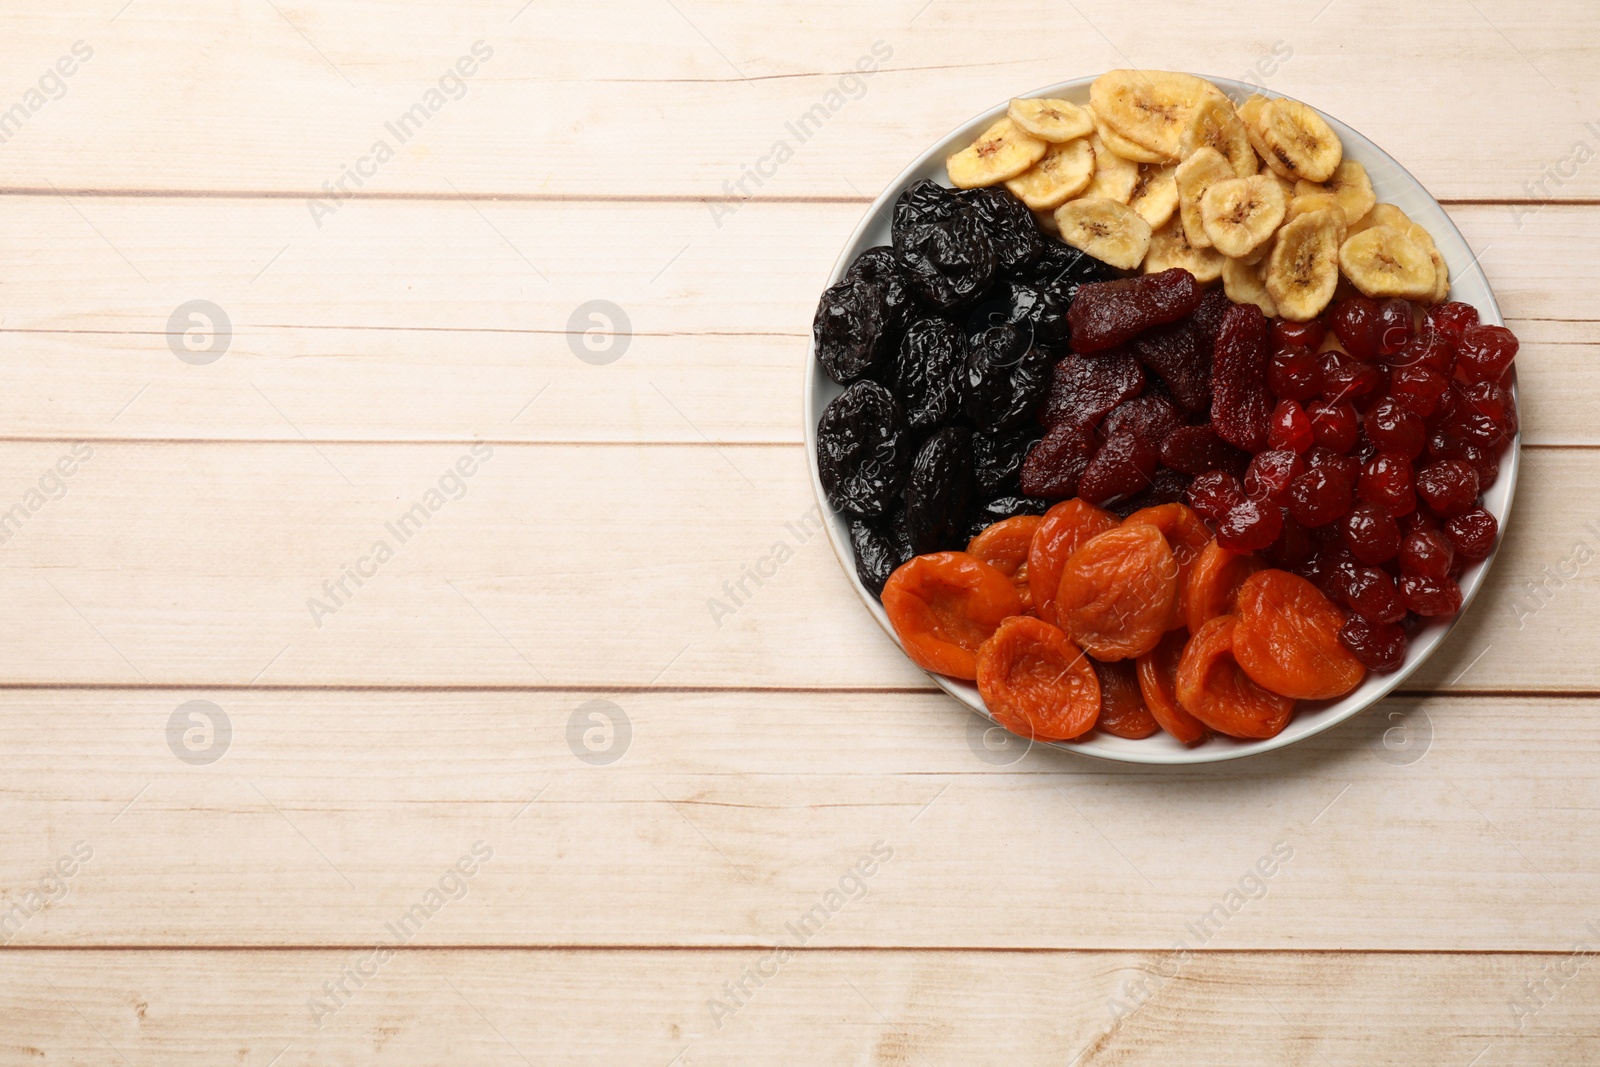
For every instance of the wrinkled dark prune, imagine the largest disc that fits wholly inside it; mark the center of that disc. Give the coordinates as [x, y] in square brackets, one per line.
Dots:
[1083, 388]
[925, 202]
[1006, 378]
[1018, 242]
[948, 264]
[1013, 304]
[1241, 405]
[863, 450]
[1003, 507]
[928, 372]
[1174, 353]
[1193, 450]
[878, 552]
[1065, 268]
[1166, 487]
[1151, 416]
[939, 492]
[997, 459]
[1124, 466]
[1107, 314]
[859, 320]
[1053, 468]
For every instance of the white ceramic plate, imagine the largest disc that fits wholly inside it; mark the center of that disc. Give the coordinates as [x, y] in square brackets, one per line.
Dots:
[1394, 185]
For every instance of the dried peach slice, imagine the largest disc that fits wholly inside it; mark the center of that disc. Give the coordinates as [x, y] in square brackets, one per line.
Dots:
[1288, 638]
[1036, 682]
[1117, 592]
[1122, 709]
[1186, 535]
[1004, 546]
[1066, 528]
[1158, 681]
[1213, 583]
[944, 605]
[1213, 688]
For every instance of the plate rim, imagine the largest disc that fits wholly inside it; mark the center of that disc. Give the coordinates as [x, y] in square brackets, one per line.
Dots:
[1216, 748]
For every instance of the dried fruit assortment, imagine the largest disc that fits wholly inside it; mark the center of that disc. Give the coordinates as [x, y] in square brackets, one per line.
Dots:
[1158, 421]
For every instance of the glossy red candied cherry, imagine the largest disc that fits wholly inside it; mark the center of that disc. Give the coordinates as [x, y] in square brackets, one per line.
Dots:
[1371, 534]
[1486, 461]
[1492, 401]
[1319, 497]
[1484, 352]
[1346, 379]
[1420, 519]
[1249, 526]
[1289, 427]
[1448, 487]
[1302, 334]
[1429, 348]
[1380, 646]
[1387, 481]
[1320, 458]
[1392, 428]
[1371, 593]
[1426, 554]
[1452, 318]
[1418, 388]
[1430, 597]
[1213, 494]
[1473, 533]
[1333, 426]
[1294, 373]
[1269, 474]
[1354, 321]
[1393, 326]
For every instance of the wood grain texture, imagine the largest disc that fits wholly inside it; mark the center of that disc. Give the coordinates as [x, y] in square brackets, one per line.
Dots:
[423, 321]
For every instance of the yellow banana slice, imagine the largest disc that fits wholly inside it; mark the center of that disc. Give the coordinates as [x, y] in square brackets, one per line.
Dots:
[1155, 197]
[1242, 282]
[1149, 107]
[1062, 173]
[1215, 124]
[1204, 168]
[1114, 177]
[1441, 277]
[1300, 144]
[1350, 185]
[1240, 214]
[1170, 247]
[1108, 230]
[1303, 270]
[1261, 252]
[1383, 261]
[1057, 121]
[1120, 145]
[1306, 203]
[1000, 152]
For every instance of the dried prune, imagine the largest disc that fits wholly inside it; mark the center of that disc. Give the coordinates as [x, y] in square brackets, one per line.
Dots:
[1174, 353]
[997, 459]
[925, 202]
[1003, 507]
[939, 491]
[1018, 242]
[1064, 269]
[1006, 378]
[863, 450]
[1057, 462]
[1084, 388]
[1107, 314]
[878, 551]
[860, 319]
[948, 264]
[928, 371]
[1241, 405]
[1151, 416]
[1197, 449]
[1122, 467]
[1037, 313]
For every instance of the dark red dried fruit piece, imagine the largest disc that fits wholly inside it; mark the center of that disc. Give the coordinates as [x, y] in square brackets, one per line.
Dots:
[1333, 426]
[1355, 322]
[1241, 406]
[1174, 354]
[1197, 449]
[1084, 388]
[1270, 473]
[1150, 416]
[1393, 329]
[1380, 646]
[1448, 487]
[1057, 462]
[1371, 593]
[1294, 373]
[1290, 428]
[1319, 496]
[1371, 534]
[1453, 318]
[1307, 335]
[1249, 526]
[1427, 348]
[1345, 379]
[1473, 533]
[1166, 487]
[1319, 458]
[1430, 597]
[1387, 481]
[1426, 554]
[1107, 314]
[1394, 429]
[1122, 467]
[1214, 494]
[1484, 352]
[1418, 388]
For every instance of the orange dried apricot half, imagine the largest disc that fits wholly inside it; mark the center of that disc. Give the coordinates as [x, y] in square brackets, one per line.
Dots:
[1122, 708]
[944, 605]
[1036, 683]
[1214, 581]
[1186, 535]
[1065, 529]
[1004, 546]
[1288, 638]
[1158, 683]
[1213, 688]
[1117, 592]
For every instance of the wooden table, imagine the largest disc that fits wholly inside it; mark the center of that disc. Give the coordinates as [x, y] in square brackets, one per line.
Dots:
[521, 739]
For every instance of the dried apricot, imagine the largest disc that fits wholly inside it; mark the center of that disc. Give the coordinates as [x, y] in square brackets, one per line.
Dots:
[1158, 683]
[1066, 528]
[1117, 592]
[1213, 688]
[1004, 546]
[1036, 682]
[944, 605]
[1122, 709]
[1213, 583]
[1288, 638]
[1186, 535]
